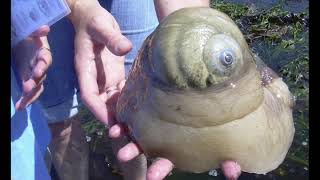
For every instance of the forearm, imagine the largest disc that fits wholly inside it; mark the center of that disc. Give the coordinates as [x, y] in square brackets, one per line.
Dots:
[165, 7]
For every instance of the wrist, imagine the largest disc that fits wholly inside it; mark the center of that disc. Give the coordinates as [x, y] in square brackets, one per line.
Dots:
[80, 10]
[164, 8]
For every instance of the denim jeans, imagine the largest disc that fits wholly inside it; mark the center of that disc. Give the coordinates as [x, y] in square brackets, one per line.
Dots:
[60, 99]
[30, 137]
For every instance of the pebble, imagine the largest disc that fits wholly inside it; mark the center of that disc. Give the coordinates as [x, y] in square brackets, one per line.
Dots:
[304, 143]
[99, 133]
[213, 172]
[294, 98]
[106, 159]
[88, 138]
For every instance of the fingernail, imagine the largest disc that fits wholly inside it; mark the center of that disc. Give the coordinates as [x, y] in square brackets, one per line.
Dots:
[18, 105]
[18, 108]
[121, 84]
[119, 47]
[123, 46]
[155, 175]
[38, 72]
[114, 132]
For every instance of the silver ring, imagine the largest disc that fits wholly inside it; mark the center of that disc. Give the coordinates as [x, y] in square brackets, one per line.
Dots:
[45, 48]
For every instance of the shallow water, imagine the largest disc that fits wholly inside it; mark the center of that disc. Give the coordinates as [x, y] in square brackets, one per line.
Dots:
[281, 41]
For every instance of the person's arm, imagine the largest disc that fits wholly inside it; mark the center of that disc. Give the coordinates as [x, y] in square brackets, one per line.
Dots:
[166, 7]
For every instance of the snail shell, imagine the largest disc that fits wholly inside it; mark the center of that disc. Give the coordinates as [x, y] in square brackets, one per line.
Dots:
[195, 96]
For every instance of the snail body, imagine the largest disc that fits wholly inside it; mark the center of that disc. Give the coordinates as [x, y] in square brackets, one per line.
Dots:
[197, 96]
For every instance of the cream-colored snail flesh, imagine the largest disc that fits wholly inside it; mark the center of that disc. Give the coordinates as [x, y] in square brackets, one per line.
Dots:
[197, 96]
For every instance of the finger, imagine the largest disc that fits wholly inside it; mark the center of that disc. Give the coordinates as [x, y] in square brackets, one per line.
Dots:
[96, 106]
[90, 94]
[111, 118]
[116, 131]
[31, 91]
[27, 99]
[42, 31]
[113, 96]
[109, 34]
[29, 85]
[39, 36]
[128, 152]
[121, 84]
[87, 77]
[159, 169]
[231, 169]
[44, 60]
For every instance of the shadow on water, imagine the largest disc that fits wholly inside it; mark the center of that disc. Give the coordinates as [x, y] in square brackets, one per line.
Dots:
[276, 30]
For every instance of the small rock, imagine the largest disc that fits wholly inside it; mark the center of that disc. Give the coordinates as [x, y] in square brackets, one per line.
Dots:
[304, 143]
[253, 9]
[88, 138]
[99, 133]
[213, 172]
[294, 98]
[106, 159]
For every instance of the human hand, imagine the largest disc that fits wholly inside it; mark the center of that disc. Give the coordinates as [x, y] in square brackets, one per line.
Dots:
[32, 58]
[160, 167]
[99, 56]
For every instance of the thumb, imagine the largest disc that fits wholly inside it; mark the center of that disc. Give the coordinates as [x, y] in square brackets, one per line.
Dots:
[108, 33]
